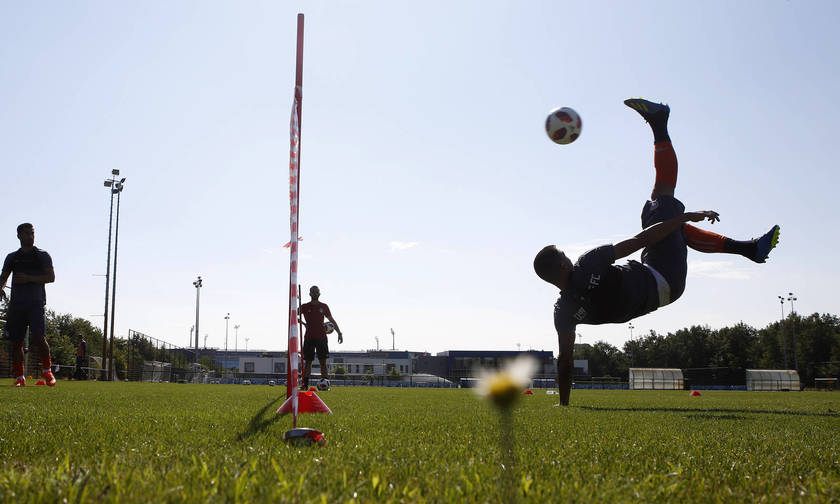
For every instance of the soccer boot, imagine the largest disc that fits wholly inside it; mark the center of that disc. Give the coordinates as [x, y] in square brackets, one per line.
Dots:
[49, 379]
[765, 244]
[650, 111]
[20, 382]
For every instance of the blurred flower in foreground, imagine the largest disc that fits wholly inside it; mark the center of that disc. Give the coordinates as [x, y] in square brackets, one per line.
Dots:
[505, 386]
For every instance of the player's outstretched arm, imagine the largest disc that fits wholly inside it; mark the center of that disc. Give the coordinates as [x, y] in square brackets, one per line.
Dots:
[656, 233]
[565, 365]
[4, 276]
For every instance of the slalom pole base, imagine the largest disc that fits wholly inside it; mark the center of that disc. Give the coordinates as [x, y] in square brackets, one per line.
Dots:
[303, 436]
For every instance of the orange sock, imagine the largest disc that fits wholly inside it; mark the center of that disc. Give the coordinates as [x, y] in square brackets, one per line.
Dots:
[665, 162]
[702, 240]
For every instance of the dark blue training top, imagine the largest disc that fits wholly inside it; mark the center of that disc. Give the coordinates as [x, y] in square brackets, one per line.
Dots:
[34, 262]
[599, 292]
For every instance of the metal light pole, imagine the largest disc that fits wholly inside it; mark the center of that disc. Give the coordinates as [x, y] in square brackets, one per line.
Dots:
[782, 330]
[108, 183]
[227, 318]
[116, 189]
[246, 343]
[792, 298]
[236, 338]
[631, 327]
[197, 284]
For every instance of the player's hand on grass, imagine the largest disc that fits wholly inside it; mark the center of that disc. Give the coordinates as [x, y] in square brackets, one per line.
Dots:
[702, 215]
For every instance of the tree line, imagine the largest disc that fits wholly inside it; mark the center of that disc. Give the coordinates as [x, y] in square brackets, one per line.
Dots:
[816, 353]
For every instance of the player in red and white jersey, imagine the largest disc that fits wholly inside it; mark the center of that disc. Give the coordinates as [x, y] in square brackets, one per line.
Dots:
[315, 338]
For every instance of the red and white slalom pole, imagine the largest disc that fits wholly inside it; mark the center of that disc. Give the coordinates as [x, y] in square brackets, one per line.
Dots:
[294, 212]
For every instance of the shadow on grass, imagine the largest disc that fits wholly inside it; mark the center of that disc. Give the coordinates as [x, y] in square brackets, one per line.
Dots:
[711, 411]
[258, 423]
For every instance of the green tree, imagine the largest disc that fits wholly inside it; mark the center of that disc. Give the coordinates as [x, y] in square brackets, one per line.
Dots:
[604, 359]
[735, 347]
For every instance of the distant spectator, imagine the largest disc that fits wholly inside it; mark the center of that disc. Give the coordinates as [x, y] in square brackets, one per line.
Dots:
[81, 359]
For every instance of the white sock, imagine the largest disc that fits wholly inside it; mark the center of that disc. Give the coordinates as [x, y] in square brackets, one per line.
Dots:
[44, 371]
[21, 378]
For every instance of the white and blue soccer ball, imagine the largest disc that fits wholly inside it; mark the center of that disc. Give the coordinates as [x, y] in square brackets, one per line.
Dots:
[329, 327]
[323, 384]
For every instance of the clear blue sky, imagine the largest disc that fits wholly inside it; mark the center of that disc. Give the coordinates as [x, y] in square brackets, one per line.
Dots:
[428, 183]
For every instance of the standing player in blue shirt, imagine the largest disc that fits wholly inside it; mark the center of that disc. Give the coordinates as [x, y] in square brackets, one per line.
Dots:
[31, 268]
[595, 291]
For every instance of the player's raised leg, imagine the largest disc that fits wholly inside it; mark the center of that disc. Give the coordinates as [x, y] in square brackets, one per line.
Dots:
[664, 157]
[755, 250]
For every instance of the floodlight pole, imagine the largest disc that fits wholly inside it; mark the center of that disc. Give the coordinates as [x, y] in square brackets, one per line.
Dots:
[197, 284]
[227, 318]
[109, 183]
[782, 330]
[792, 298]
[236, 338]
[631, 327]
[118, 189]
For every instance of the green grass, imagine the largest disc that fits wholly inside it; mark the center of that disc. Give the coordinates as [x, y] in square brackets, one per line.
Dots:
[131, 442]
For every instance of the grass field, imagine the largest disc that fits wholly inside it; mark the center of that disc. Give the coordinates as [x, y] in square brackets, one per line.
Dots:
[133, 442]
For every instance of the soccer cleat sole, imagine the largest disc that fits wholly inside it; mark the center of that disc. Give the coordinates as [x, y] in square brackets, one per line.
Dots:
[767, 243]
[647, 108]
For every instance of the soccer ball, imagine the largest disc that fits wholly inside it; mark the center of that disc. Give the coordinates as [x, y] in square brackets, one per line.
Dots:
[323, 384]
[563, 125]
[329, 327]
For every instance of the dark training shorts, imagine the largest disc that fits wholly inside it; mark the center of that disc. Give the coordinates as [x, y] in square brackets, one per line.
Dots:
[18, 318]
[668, 257]
[312, 345]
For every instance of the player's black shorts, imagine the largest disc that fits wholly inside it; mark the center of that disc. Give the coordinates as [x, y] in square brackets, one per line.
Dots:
[668, 257]
[18, 318]
[313, 345]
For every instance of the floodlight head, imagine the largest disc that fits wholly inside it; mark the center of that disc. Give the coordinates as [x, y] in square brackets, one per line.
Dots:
[115, 172]
[108, 183]
[122, 181]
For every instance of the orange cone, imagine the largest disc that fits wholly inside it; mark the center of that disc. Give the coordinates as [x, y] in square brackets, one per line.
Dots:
[695, 393]
[308, 402]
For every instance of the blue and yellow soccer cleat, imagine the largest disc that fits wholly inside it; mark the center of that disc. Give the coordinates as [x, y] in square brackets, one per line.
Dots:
[649, 110]
[765, 244]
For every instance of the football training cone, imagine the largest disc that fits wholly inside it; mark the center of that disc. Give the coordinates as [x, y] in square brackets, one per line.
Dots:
[308, 402]
[695, 393]
[41, 382]
[528, 392]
